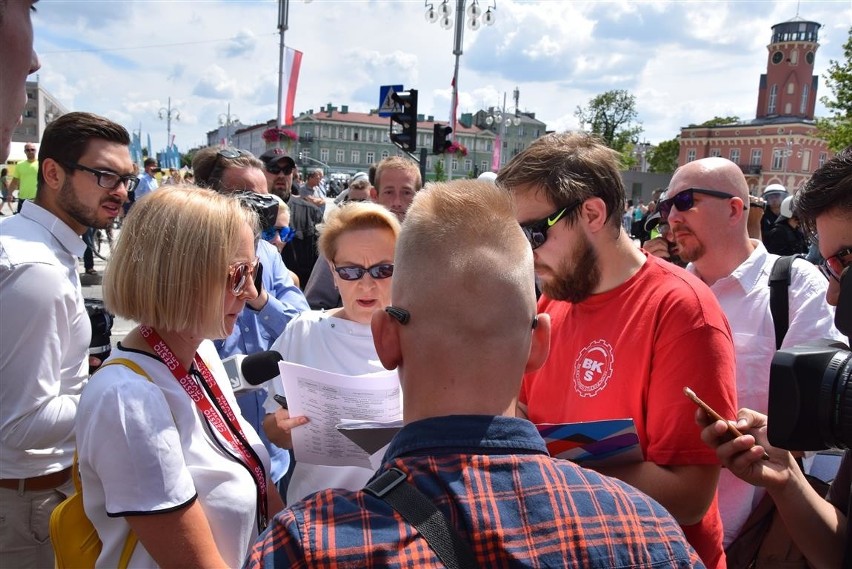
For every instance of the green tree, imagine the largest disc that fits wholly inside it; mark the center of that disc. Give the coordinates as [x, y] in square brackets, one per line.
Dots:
[663, 158]
[837, 128]
[612, 116]
[438, 168]
[717, 121]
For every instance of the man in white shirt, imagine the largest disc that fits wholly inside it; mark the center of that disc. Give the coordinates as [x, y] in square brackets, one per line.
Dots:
[147, 181]
[706, 207]
[85, 174]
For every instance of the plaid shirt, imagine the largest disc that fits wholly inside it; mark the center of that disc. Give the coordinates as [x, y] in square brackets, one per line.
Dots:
[493, 479]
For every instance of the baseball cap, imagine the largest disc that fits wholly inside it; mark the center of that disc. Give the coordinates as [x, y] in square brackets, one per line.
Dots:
[276, 155]
[359, 176]
[774, 189]
[652, 221]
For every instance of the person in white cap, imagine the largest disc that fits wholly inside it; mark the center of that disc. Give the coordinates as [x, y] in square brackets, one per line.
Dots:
[773, 194]
[785, 237]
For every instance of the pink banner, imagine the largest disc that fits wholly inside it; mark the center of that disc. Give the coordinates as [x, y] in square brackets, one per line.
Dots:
[495, 156]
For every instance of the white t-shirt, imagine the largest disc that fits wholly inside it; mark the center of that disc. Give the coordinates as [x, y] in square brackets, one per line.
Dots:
[325, 342]
[146, 448]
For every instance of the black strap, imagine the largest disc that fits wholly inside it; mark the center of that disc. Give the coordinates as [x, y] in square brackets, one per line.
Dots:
[421, 513]
[779, 303]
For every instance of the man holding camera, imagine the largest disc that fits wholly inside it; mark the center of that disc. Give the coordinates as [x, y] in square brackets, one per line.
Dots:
[819, 528]
[83, 181]
[706, 207]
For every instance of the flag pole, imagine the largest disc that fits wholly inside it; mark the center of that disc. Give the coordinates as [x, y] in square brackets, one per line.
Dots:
[283, 16]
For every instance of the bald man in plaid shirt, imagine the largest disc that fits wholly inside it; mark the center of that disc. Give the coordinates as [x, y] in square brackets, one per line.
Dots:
[462, 331]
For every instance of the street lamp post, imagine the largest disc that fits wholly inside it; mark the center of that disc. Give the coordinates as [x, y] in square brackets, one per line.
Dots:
[495, 118]
[476, 18]
[227, 120]
[168, 113]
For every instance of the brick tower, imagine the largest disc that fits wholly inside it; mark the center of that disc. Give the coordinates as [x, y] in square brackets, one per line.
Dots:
[789, 86]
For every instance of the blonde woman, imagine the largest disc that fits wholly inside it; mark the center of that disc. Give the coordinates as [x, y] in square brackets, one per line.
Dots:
[359, 240]
[171, 458]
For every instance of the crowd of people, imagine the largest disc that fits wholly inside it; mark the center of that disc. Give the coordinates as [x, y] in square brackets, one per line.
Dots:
[502, 304]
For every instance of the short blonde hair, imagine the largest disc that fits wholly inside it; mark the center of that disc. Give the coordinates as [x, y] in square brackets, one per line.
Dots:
[398, 163]
[170, 263]
[349, 217]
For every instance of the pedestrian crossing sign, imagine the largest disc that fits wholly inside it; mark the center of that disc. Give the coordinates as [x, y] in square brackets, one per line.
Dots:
[387, 105]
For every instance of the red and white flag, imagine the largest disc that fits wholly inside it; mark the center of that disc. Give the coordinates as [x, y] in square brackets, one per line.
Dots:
[292, 63]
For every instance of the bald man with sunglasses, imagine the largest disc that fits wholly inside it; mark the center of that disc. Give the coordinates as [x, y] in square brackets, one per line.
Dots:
[706, 207]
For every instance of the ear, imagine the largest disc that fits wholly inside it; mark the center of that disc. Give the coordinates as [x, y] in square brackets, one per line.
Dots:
[53, 173]
[593, 212]
[540, 345]
[386, 339]
[374, 194]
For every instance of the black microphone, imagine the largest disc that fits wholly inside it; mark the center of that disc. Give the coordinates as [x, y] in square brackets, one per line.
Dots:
[260, 367]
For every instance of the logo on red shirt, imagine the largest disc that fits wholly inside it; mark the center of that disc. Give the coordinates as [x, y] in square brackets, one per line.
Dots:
[593, 368]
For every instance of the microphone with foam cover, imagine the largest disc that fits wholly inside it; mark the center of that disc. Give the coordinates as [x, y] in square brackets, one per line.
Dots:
[260, 367]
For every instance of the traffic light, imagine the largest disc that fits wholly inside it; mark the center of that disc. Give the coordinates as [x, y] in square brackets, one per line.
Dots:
[439, 138]
[406, 135]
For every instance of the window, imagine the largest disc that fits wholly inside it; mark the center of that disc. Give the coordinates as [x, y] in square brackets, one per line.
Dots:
[690, 155]
[371, 135]
[455, 164]
[803, 106]
[371, 157]
[341, 132]
[794, 57]
[324, 154]
[715, 152]
[788, 108]
[484, 166]
[468, 165]
[773, 100]
[778, 158]
[791, 88]
[385, 154]
[756, 157]
[822, 159]
[340, 155]
[356, 157]
[428, 163]
[354, 135]
[735, 155]
[806, 161]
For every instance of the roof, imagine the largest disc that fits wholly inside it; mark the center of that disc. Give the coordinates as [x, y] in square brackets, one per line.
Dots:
[374, 119]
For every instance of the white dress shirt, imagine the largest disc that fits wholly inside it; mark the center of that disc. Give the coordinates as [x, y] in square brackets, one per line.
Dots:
[744, 297]
[44, 340]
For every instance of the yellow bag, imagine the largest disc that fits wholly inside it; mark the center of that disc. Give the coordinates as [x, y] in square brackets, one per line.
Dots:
[75, 540]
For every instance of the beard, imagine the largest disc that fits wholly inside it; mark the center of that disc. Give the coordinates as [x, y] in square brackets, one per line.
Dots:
[576, 277]
[80, 212]
[689, 249]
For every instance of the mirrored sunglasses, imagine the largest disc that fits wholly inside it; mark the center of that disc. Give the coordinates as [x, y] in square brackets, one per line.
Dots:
[286, 234]
[833, 266]
[685, 200]
[536, 231]
[239, 276]
[354, 272]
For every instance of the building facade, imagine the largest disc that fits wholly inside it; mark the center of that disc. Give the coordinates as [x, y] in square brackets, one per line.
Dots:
[40, 110]
[781, 144]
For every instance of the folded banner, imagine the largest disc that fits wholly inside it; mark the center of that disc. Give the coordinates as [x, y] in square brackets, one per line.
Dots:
[292, 63]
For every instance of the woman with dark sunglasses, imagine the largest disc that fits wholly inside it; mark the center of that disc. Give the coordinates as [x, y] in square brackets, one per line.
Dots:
[359, 240]
[164, 452]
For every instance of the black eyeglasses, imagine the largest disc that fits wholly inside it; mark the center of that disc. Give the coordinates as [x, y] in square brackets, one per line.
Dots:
[834, 265]
[287, 169]
[685, 200]
[536, 231]
[106, 179]
[354, 272]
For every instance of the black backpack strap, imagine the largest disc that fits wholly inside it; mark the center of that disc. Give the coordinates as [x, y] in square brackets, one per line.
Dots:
[420, 512]
[779, 302]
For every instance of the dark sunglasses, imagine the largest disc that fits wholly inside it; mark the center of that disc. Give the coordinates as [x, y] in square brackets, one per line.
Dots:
[685, 200]
[239, 275]
[536, 231]
[834, 265]
[276, 169]
[29, 149]
[285, 233]
[106, 179]
[354, 272]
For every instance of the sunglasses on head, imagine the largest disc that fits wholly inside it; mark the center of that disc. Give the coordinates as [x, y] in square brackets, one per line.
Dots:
[685, 200]
[354, 272]
[239, 275]
[286, 234]
[277, 169]
[834, 265]
[536, 231]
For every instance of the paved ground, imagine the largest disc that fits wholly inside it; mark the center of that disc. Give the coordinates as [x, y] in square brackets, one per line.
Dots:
[92, 289]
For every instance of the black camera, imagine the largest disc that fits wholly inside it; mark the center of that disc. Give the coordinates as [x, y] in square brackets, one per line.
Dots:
[101, 320]
[810, 388]
[264, 205]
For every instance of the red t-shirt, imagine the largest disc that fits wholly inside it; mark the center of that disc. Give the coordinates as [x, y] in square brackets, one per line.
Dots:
[629, 352]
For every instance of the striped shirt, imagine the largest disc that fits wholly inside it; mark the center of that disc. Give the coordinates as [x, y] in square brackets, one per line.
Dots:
[494, 481]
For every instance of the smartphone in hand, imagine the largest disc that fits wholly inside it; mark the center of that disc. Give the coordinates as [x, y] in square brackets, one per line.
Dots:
[735, 432]
[281, 400]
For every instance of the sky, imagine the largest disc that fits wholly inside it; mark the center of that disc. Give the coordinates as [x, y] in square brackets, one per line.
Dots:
[685, 61]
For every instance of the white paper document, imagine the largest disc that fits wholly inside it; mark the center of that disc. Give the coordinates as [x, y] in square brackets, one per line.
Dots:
[327, 399]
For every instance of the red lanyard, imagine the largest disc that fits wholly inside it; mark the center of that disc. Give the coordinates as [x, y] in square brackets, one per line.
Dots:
[226, 423]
